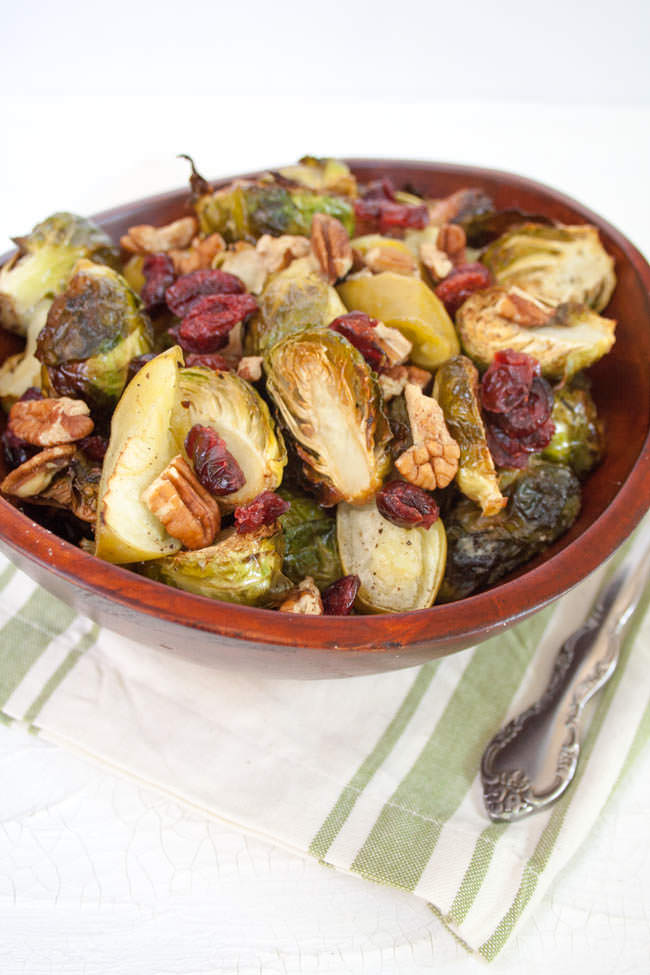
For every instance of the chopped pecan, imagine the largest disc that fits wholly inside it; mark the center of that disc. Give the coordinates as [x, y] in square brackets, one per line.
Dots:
[184, 507]
[304, 599]
[199, 256]
[36, 474]
[279, 252]
[432, 461]
[250, 368]
[436, 261]
[45, 422]
[384, 257]
[419, 377]
[392, 382]
[331, 246]
[396, 346]
[248, 265]
[522, 309]
[451, 239]
[145, 239]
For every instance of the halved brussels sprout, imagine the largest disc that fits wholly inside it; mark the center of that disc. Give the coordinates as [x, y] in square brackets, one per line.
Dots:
[561, 349]
[322, 175]
[232, 407]
[244, 569]
[544, 501]
[140, 447]
[245, 210]
[19, 372]
[330, 403]
[555, 264]
[310, 541]
[400, 568]
[405, 303]
[294, 299]
[93, 330]
[455, 389]
[579, 438]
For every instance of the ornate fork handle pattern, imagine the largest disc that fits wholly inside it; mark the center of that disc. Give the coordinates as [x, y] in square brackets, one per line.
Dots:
[532, 760]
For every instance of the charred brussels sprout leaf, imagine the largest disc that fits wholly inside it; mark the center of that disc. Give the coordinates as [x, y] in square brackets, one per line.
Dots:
[578, 439]
[576, 337]
[246, 210]
[232, 407]
[93, 330]
[555, 264]
[322, 176]
[330, 403]
[544, 501]
[407, 304]
[310, 541]
[294, 299]
[455, 389]
[245, 569]
[400, 568]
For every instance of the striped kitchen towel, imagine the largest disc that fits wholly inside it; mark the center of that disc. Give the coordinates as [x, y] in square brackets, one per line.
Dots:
[373, 775]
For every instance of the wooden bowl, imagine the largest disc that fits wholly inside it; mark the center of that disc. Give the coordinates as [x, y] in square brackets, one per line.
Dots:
[615, 497]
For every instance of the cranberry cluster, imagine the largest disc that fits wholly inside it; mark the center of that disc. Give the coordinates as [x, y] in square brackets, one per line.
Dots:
[262, 510]
[460, 283]
[379, 212]
[517, 404]
[215, 466]
[358, 328]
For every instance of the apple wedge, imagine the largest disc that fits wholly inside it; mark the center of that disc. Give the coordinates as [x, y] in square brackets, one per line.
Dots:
[140, 447]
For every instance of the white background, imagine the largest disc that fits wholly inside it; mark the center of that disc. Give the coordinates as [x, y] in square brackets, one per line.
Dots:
[100, 875]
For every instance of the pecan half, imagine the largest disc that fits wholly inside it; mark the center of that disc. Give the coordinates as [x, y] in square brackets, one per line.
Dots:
[45, 422]
[522, 309]
[145, 239]
[432, 461]
[331, 246]
[184, 507]
[304, 599]
[36, 474]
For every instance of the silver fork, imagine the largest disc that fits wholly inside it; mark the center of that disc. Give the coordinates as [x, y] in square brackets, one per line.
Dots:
[532, 760]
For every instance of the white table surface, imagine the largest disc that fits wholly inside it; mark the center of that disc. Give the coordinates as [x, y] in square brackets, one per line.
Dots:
[99, 874]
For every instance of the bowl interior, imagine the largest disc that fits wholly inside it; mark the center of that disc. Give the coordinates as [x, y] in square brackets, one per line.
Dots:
[614, 497]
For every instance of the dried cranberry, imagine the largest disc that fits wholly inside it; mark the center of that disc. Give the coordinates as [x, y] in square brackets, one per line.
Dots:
[507, 382]
[215, 466]
[505, 451]
[406, 505]
[380, 215]
[358, 329]
[205, 328]
[159, 274]
[460, 283]
[16, 450]
[136, 364]
[379, 189]
[33, 393]
[531, 414]
[338, 598]
[94, 447]
[538, 438]
[180, 297]
[262, 510]
[213, 361]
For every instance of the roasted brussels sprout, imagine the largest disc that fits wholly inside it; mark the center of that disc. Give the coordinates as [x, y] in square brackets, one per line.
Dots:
[330, 403]
[455, 389]
[543, 502]
[294, 299]
[245, 569]
[405, 303]
[245, 210]
[310, 541]
[400, 568]
[232, 407]
[579, 437]
[555, 264]
[93, 330]
[322, 175]
[140, 447]
[31, 279]
[577, 338]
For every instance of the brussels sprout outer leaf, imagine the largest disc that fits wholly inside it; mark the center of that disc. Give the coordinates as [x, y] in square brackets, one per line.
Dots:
[544, 501]
[405, 303]
[455, 389]
[330, 403]
[311, 548]
[140, 447]
[578, 439]
[245, 569]
[400, 568]
[232, 407]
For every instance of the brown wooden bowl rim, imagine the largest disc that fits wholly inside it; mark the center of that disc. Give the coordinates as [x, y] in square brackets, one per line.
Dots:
[476, 616]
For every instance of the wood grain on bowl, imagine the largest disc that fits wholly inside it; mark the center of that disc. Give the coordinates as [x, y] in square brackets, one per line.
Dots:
[615, 497]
